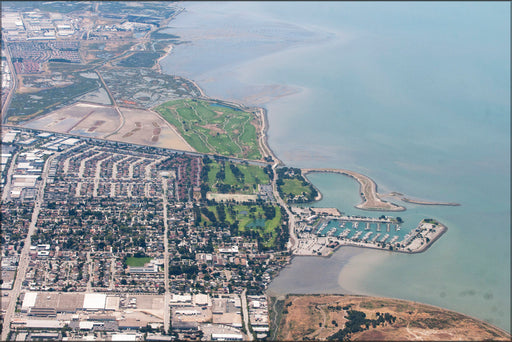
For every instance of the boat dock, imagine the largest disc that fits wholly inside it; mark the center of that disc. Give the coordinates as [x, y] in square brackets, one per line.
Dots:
[394, 239]
[384, 234]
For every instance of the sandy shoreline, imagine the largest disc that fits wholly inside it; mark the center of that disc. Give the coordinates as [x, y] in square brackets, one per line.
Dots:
[157, 65]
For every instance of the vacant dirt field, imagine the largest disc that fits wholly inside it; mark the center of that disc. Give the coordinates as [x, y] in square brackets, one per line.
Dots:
[81, 118]
[145, 127]
[136, 126]
[315, 318]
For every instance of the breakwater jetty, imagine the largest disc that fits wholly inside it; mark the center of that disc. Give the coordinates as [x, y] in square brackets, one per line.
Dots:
[368, 190]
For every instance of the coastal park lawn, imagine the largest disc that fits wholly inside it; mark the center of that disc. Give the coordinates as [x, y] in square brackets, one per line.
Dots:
[137, 261]
[211, 128]
[249, 218]
[295, 187]
[248, 184]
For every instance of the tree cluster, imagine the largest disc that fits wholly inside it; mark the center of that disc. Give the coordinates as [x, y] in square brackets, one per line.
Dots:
[357, 321]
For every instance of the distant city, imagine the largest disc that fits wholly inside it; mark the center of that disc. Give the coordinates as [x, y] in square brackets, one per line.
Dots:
[135, 207]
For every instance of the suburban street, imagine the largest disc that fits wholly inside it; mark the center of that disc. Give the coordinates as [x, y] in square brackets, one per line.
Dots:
[167, 296]
[24, 257]
[291, 218]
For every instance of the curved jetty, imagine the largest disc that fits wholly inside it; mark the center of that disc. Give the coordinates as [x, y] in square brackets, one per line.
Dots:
[368, 190]
[403, 198]
[409, 200]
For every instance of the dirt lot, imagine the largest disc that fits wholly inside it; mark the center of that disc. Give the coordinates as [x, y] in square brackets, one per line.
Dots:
[81, 118]
[139, 126]
[145, 127]
[315, 318]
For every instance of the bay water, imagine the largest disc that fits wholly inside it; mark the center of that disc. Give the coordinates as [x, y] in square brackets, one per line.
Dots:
[415, 95]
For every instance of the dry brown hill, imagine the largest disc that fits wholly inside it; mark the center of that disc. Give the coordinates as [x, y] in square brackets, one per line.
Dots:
[337, 317]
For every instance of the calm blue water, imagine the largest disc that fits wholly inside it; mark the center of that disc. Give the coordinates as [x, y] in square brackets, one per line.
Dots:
[415, 95]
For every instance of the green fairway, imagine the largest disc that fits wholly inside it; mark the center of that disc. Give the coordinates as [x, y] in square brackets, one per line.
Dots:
[212, 128]
[251, 218]
[249, 177]
[134, 261]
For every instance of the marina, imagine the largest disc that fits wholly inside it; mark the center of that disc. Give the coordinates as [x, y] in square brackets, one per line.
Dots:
[361, 230]
[329, 233]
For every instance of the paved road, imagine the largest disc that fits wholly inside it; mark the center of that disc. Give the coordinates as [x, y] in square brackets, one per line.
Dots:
[114, 105]
[245, 313]
[12, 90]
[167, 296]
[7, 186]
[24, 257]
[292, 242]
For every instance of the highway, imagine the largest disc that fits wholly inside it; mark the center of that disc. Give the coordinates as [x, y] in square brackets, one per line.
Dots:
[245, 312]
[24, 257]
[114, 105]
[13, 88]
[7, 186]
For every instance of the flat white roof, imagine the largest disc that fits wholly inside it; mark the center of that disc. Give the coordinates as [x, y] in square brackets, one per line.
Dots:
[227, 336]
[29, 300]
[8, 137]
[70, 141]
[86, 325]
[24, 165]
[112, 303]
[124, 337]
[181, 298]
[94, 301]
[201, 299]
[44, 323]
[24, 184]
